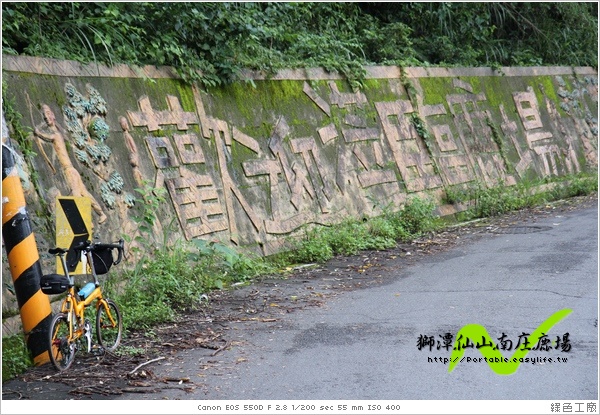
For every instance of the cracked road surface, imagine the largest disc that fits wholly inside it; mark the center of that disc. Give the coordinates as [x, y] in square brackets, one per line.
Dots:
[349, 329]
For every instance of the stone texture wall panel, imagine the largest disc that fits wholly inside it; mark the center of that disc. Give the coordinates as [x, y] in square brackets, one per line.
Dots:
[251, 166]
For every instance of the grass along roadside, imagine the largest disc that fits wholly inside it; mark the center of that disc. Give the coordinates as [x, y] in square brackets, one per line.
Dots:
[482, 202]
[15, 356]
[172, 278]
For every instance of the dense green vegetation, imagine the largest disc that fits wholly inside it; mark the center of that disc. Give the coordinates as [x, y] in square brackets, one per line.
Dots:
[482, 201]
[222, 39]
[15, 356]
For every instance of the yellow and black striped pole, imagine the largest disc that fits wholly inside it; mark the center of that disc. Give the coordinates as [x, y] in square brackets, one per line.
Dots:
[23, 260]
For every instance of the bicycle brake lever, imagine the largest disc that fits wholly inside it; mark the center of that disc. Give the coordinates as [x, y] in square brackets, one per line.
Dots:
[121, 248]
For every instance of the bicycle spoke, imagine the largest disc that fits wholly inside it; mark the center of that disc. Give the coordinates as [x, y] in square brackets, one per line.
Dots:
[109, 326]
[61, 348]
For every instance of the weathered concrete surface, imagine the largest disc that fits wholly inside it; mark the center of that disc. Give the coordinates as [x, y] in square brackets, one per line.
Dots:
[250, 165]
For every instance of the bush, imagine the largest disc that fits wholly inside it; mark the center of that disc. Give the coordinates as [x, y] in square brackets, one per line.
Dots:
[577, 186]
[15, 356]
[214, 42]
[415, 218]
[351, 236]
[314, 247]
[174, 278]
[486, 202]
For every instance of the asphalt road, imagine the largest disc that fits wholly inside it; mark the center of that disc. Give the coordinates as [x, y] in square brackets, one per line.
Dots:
[363, 344]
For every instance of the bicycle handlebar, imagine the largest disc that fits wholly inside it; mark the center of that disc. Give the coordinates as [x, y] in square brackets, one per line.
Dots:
[88, 245]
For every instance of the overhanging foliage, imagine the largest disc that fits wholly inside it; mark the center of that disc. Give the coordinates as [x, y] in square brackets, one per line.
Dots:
[221, 39]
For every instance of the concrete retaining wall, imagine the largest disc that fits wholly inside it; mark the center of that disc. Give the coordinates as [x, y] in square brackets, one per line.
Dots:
[251, 163]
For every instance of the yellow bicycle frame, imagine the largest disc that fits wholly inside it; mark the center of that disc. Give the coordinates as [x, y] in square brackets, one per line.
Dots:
[75, 308]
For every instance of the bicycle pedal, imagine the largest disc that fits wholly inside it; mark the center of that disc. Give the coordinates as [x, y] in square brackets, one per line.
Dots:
[89, 344]
[98, 350]
[88, 335]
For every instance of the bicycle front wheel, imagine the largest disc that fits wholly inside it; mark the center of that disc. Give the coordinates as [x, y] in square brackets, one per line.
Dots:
[109, 330]
[60, 348]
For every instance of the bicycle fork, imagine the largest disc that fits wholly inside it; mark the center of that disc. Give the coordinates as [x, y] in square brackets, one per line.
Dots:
[102, 303]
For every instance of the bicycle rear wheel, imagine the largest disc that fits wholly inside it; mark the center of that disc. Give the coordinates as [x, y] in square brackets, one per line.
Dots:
[60, 348]
[109, 333]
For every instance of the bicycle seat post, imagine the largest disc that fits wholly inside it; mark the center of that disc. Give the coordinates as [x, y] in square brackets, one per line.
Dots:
[90, 260]
[64, 267]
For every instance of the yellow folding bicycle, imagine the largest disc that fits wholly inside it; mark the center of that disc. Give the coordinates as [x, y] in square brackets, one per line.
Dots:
[70, 327]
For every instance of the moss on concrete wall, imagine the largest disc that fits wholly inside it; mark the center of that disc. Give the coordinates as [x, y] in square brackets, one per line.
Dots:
[251, 163]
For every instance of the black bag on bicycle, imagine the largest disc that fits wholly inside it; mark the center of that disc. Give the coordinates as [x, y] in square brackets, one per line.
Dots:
[103, 260]
[54, 284]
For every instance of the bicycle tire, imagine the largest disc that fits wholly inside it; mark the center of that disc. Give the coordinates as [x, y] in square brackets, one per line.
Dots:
[109, 335]
[61, 351]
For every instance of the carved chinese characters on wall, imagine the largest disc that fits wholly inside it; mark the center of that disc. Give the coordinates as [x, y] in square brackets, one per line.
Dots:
[357, 155]
[553, 145]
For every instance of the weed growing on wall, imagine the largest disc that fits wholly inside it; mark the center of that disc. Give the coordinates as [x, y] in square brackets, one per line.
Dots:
[145, 218]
